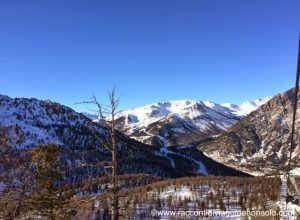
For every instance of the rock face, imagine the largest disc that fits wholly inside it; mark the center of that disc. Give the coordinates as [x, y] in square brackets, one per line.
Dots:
[26, 123]
[260, 142]
[182, 122]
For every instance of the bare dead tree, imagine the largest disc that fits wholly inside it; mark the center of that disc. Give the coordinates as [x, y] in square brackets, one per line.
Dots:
[107, 115]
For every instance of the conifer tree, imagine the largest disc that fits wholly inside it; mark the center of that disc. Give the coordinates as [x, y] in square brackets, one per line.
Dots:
[48, 200]
[241, 201]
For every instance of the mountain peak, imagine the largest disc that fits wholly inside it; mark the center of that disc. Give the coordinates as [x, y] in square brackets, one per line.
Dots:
[247, 107]
[260, 141]
[159, 122]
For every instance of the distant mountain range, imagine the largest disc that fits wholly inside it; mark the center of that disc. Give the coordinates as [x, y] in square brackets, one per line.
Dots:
[253, 137]
[182, 122]
[26, 123]
[205, 138]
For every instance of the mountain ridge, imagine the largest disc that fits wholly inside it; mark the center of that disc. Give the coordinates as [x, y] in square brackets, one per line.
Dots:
[26, 123]
[182, 121]
[260, 141]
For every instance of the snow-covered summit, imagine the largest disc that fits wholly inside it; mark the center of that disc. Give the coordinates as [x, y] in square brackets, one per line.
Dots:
[184, 109]
[246, 107]
[28, 122]
[165, 123]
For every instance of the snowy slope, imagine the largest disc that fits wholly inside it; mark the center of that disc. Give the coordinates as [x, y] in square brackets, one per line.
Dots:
[260, 142]
[28, 122]
[182, 121]
[246, 107]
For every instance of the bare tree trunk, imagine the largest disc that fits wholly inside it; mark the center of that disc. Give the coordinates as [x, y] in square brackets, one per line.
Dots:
[115, 188]
[115, 214]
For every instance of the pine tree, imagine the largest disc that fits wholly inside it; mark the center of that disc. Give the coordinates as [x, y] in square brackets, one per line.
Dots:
[241, 201]
[48, 200]
[221, 203]
[203, 205]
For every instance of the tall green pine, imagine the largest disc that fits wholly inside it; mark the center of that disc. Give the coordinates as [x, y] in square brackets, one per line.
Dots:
[48, 200]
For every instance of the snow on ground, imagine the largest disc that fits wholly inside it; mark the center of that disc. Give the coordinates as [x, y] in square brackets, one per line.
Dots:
[164, 151]
[291, 208]
[295, 171]
[294, 209]
[182, 193]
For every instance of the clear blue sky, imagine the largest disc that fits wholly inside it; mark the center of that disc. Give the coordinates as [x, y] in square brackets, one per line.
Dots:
[151, 50]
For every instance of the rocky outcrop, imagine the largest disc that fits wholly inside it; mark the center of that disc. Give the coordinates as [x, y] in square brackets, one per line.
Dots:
[260, 142]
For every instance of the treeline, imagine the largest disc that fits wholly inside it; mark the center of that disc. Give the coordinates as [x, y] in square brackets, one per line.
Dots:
[102, 184]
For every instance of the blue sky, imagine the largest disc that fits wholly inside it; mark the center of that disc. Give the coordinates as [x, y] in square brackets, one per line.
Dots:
[151, 50]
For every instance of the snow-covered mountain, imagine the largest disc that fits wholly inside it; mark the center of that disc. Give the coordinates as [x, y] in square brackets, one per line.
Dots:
[260, 142]
[246, 107]
[26, 123]
[182, 122]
